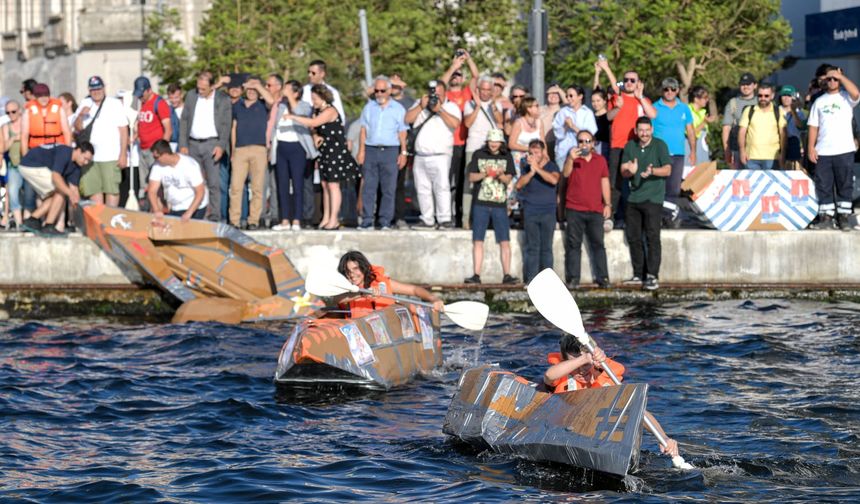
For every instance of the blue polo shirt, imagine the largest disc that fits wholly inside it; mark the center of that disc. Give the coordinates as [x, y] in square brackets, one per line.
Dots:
[250, 123]
[383, 124]
[670, 125]
[538, 196]
[57, 159]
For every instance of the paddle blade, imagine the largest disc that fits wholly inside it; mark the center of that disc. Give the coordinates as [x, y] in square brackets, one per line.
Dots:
[552, 300]
[326, 283]
[470, 315]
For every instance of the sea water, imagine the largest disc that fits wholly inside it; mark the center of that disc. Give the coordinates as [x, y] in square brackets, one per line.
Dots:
[762, 397]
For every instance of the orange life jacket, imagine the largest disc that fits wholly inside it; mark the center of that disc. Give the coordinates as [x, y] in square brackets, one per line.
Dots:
[45, 123]
[576, 382]
[365, 305]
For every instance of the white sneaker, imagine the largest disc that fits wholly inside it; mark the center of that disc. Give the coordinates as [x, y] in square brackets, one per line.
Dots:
[281, 227]
[296, 227]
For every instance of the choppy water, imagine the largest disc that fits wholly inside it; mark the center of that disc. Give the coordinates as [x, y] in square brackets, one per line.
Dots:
[761, 395]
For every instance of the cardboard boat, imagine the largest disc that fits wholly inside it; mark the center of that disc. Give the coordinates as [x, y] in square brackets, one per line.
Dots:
[382, 350]
[216, 271]
[598, 429]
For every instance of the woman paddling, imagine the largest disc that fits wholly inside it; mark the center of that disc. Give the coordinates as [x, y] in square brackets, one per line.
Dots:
[573, 369]
[355, 266]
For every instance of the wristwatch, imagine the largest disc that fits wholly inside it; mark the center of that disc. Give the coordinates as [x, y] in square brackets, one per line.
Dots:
[404, 153]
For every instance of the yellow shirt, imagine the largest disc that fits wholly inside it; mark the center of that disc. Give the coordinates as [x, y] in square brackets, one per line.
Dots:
[762, 139]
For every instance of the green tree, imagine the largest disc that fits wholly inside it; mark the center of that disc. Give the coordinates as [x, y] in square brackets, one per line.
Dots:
[709, 42]
[167, 58]
[414, 37]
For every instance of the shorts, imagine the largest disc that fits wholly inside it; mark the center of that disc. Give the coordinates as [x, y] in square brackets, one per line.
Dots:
[101, 177]
[39, 177]
[793, 150]
[481, 217]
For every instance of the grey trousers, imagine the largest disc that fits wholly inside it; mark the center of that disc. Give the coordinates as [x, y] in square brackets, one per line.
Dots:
[201, 151]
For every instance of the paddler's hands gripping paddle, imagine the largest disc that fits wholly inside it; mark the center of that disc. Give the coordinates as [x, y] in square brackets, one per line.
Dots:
[552, 299]
[470, 315]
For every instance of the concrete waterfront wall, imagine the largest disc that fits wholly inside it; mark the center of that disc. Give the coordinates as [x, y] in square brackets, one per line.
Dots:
[445, 257]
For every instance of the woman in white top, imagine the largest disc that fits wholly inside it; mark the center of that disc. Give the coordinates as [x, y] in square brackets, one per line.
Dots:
[527, 128]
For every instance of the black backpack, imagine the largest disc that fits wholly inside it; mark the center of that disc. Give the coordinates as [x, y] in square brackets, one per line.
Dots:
[751, 110]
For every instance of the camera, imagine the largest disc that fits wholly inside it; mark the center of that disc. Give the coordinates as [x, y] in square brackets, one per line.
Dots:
[459, 53]
[601, 57]
[432, 97]
[584, 150]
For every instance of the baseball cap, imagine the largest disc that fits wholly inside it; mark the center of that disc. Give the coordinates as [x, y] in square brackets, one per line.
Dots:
[141, 84]
[670, 82]
[787, 90]
[95, 82]
[746, 78]
[40, 90]
[236, 80]
[496, 135]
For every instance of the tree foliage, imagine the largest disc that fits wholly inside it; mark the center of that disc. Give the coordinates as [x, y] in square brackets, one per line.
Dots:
[414, 37]
[167, 58]
[709, 42]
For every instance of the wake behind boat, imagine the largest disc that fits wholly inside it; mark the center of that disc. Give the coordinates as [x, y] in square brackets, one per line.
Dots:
[382, 350]
[598, 428]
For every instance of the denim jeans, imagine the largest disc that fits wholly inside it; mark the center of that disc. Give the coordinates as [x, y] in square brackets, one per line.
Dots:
[537, 253]
[380, 173]
[759, 164]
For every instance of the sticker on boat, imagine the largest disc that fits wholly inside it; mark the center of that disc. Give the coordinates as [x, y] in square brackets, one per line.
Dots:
[406, 327]
[426, 327]
[358, 346]
[380, 332]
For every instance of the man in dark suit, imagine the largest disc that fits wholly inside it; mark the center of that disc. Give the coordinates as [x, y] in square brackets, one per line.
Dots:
[204, 134]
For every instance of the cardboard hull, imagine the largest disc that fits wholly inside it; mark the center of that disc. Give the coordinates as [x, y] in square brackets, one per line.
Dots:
[752, 200]
[385, 349]
[217, 271]
[599, 429]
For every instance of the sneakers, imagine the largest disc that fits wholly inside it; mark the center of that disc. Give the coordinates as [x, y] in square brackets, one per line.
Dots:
[49, 231]
[823, 221]
[572, 285]
[844, 222]
[422, 226]
[474, 279]
[634, 280]
[281, 227]
[296, 227]
[650, 283]
[32, 225]
[508, 280]
[362, 227]
[385, 228]
[603, 283]
[446, 225]
[607, 225]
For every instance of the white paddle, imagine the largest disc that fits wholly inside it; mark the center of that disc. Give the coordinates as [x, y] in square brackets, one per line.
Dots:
[552, 299]
[470, 315]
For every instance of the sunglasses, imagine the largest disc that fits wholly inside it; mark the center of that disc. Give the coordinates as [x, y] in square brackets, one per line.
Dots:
[378, 91]
[765, 96]
[518, 96]
[630, 79]
[10, 112]
[674, 90]
[311, 72]
[571, 95]
[830, 79]
[585, 140]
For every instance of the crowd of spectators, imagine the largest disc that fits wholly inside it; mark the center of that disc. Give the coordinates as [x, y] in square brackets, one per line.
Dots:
[478, 152]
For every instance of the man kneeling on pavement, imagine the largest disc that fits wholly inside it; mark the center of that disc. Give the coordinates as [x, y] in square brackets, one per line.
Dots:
[55, 174]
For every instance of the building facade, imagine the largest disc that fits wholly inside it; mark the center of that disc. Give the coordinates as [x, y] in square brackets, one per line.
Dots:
[63, 42]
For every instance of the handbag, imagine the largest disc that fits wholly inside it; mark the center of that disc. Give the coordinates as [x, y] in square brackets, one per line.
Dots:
[412, 135]
[86, 133]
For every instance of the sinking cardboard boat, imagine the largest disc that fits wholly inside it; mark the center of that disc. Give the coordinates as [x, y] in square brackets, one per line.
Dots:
[382, 350]
[599, 428]
[217, 272]
[751, 200]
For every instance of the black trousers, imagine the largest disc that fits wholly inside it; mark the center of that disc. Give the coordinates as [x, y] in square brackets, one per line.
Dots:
[639, 219]
[458, 182]
[590, 226]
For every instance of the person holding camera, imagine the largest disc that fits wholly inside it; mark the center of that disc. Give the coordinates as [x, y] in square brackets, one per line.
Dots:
[434, 119]
[588, 202]
[536, 190]
[795, 119]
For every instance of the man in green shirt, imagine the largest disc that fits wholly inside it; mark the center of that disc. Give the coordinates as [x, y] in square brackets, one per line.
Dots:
[646, 162]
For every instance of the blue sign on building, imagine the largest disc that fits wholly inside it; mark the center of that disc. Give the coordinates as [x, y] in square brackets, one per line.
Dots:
[835, 33]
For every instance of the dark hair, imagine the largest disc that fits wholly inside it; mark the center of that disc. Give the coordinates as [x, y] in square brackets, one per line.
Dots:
[569, 345]
[323, 92]
[363, 265]
[644, 120]
[599, 92]
[697, 92]
[161, 146]
[538, 143]
[173, 87]
[584, 131]
[71, 99]
[296, 87]
[206, 74]
[823, 69]
[86, 147]
[519, 87]
[318, 63]
[526, 102]
[498, 75]
[277, 77]
[578, 89]
[767, 85]
[29, 84]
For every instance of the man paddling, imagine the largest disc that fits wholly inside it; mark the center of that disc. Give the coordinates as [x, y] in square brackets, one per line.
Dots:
[579, 370]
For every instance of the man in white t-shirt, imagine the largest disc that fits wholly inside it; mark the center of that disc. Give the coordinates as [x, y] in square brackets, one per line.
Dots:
[109, 135]
[480, 116]
[434, 147]
[182, 179]
[316, 75]
[831, 146]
